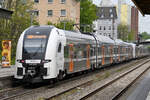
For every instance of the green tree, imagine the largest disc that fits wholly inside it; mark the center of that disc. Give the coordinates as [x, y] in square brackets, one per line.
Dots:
[35, 22]
[87, 12]
[49, 23]
[123, 31]
[145, 35]
[131, 36]
[65, 24]
[11, 29]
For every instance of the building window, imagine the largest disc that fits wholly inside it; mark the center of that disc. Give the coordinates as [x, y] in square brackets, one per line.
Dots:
[36, 1]
[36, 13]
[59, 48]
[63, 12]
[109, 27]
[100, 33]
[63, 1]
[110, 10]
[100, 28]
[111, 16]
[104, 28]
[50, 12]
[50, 1]
[113, 28]
[102, 16]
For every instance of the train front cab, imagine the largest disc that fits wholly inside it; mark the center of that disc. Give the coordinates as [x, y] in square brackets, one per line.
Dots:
[36, 57]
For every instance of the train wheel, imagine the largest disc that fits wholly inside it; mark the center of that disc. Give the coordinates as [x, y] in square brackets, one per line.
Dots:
[64, 73]
[93, 67]
[61, 75]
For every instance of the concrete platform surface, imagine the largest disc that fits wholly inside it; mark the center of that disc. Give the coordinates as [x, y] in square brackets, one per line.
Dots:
[142, 92]
[4, 72]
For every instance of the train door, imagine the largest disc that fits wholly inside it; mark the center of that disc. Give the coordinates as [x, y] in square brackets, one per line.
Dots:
[115, 53]
[60, 56]
[103, 54]
[111, 54]
[124, 53]
[119, 53]
[88, 57]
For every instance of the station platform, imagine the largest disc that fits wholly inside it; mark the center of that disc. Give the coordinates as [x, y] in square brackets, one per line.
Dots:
[5, 72]
[142, 91]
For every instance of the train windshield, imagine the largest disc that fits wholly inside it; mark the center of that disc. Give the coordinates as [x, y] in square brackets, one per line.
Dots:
[35, 44]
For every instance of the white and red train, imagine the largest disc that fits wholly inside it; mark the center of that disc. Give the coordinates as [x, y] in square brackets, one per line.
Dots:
[46, 52]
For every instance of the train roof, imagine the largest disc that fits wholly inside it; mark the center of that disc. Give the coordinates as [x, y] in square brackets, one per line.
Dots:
[118, 41]
[77, 34]
[105, 39]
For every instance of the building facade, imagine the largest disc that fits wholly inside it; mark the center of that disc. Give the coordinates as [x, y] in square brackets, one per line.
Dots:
[4, 13]
[56, 10]
[126, 14]
[106, 24]
[134, 21]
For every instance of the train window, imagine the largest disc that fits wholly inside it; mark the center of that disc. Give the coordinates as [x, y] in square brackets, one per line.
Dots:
[66, 51]
[114, 50]
[104, 28]
[93, 51]
[75, 54]
[100, 28]
[59, 47]
[117, 50]
[91, 54]
[98, 51]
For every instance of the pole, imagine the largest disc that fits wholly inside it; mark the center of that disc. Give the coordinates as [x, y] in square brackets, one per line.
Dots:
[113, 28]
[64, 25]
[31, 15]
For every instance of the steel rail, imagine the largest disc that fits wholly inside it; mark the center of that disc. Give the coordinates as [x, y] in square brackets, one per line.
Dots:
[25, 92]
[63, 92]
[111, 82]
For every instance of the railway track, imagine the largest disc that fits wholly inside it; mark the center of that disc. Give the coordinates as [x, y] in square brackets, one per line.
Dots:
[9, 91]
[19, 92]
[54, 97]
[119, 93]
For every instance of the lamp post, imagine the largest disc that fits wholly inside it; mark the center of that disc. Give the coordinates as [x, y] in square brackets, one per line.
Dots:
[64, 24]
[31, 16]
[63, 21]
[113, 21]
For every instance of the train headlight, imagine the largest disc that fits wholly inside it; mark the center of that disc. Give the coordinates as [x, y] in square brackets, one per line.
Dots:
[21, 61]
[46, 61]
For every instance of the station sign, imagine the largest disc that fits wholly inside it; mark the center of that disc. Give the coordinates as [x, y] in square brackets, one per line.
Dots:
[6, 53]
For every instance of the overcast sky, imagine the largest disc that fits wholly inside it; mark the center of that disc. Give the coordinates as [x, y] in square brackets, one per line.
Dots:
[144, 22]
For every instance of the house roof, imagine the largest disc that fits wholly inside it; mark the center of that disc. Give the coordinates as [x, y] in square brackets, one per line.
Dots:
[106, 3]
[107, 13]
[143, 6]
[5, 13]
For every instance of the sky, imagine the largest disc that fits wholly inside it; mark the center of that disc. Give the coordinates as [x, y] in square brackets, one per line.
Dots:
[144, 22]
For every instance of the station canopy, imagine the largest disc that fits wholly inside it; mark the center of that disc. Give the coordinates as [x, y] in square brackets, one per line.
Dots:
[143, 6]
[5, 13]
